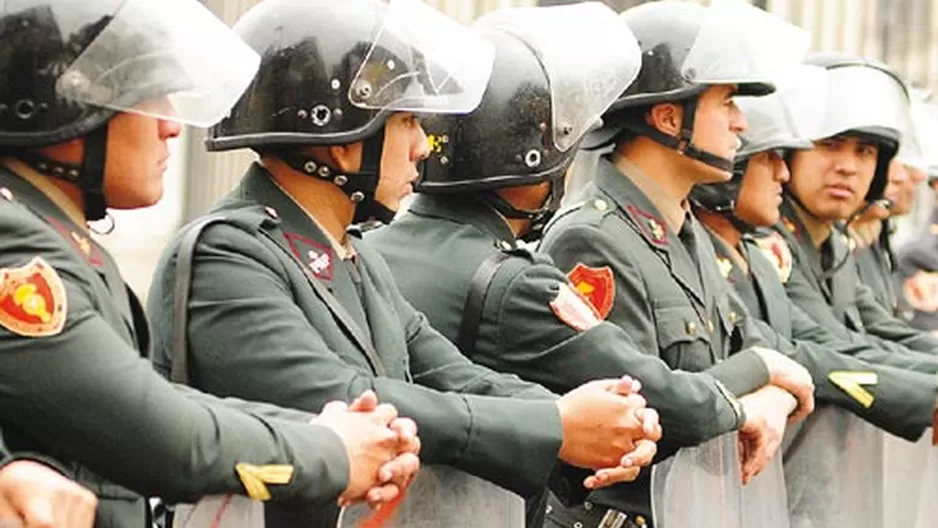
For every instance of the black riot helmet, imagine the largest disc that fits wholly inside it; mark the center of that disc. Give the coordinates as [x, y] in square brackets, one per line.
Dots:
[686, 48]
[784, 121]
[869, 100]
[67, 67]
[332, 73]
[541, 99]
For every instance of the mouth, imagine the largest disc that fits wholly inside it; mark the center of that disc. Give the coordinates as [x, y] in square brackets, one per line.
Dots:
[840, 192]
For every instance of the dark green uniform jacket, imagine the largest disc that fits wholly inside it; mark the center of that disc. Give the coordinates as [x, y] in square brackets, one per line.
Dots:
[75, 388]
[434, 251]
[258, 329]
[900, 401]
[840, 302]
[874, 268]
[671, 302]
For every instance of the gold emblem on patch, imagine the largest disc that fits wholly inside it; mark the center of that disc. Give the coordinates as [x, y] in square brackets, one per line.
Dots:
[32, 300]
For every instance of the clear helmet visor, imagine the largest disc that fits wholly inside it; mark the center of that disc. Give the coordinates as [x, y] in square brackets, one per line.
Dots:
[742, 44]
[422, 61]
[171, 59]
[788, 118]
[588, 69]
[864, 97]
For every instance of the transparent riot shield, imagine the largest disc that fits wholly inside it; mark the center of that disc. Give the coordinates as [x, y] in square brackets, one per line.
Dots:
[910, 482]
[699, 486]
[443, 496]
[765, 500]
[220, 511]
[834, 471]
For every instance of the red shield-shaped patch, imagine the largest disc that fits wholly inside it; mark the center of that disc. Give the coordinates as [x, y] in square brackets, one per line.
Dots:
[32, 300]
[597, 285]
[574, 310]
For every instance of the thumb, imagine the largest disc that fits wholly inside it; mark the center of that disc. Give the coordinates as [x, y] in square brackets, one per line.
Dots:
[365, 403]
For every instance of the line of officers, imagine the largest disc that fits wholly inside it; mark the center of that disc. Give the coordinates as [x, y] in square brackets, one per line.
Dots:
[699, 328]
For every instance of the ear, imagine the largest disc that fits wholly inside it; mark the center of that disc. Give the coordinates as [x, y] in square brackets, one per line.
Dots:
[348, 158]
[666, 117]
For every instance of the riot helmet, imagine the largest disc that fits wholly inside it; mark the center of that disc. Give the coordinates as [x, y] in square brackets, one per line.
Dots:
[68, 67]
[332, 73]
[869, 100]
[783, 121]
[686, 48]
[542, 98]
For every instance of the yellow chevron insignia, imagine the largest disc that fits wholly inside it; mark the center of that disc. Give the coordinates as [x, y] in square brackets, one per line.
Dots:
[852, 383]
[256, 478]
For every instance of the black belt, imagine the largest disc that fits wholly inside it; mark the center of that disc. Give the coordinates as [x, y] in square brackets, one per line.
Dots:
[590, 515]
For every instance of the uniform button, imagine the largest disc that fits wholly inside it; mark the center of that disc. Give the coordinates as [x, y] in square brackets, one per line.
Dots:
[710, 325]
[640, 521]
[271, 211]
[6, 194]
[600, 205]
[691, 327]
[549, 509]
[733, 317]
[587, 505]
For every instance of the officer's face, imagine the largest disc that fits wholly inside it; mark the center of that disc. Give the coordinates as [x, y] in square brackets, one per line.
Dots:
[898, 179]
[717, 127]
[137, 156]
[761, 192]
[832, 179]
[905, 197]
[405, 144]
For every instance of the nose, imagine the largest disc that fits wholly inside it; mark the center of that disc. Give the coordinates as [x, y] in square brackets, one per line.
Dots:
[421, 150]
[169, 129]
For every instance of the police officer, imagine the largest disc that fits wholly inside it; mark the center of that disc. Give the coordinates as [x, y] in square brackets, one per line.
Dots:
[917, 271]
[89, 95]
[674, 127]
[493, 178]
[851, 376]
[286, 306]
[36, 495]
[847, 168]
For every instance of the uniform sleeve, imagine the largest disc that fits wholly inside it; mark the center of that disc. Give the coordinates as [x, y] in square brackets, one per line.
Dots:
[280, 357]
[901, 401]
[88, 395]
[879, 322]
[536, 343]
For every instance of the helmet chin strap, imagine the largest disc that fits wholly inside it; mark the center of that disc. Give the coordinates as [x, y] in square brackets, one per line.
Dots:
[683, 143]
[538, 217]
[87, 175]
[360, 186]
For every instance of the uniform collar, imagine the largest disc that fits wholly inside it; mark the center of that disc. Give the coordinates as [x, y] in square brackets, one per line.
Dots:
[467, 211]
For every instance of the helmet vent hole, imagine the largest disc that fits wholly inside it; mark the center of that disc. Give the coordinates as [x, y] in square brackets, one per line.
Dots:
[24, 109]
[321, 115]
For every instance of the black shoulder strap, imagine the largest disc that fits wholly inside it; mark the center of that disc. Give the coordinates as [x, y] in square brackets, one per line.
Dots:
[475, 302]
[179, 372]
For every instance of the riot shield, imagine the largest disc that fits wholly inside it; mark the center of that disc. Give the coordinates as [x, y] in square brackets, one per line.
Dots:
[910, 482]
[834, 471]
[765, 500]
[699, 486]
[444, 496]
[220, 511]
